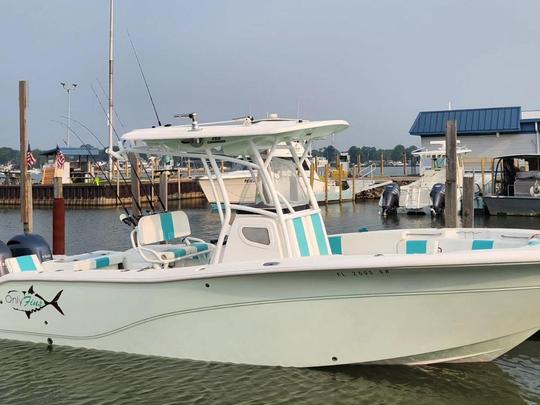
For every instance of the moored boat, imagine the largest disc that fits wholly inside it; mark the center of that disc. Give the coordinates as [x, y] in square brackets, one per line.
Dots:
[275, 288]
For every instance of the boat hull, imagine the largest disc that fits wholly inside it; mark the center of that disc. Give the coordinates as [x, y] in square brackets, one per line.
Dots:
[300, 319]
[520, 206]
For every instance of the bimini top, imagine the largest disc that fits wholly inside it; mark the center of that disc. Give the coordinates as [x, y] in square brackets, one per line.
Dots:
[232, 139]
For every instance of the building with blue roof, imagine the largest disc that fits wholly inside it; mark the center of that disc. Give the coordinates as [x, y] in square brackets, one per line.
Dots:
[488, 132]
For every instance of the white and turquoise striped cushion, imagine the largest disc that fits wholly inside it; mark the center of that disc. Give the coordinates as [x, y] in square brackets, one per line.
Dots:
[178, 251]
[308, 236]
[23, 264]
[161, 227]
[100, 262]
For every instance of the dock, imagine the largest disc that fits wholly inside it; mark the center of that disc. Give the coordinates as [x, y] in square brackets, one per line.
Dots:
[103, 195]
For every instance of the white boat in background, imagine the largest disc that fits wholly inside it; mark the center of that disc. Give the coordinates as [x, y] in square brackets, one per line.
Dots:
[275, 288]
[242, 187]
[417, 197]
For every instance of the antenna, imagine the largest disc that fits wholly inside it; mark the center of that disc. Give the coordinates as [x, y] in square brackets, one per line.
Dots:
[144, 78]
[449, 106]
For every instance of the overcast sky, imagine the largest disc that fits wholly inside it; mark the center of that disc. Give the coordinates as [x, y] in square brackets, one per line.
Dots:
[373, 63]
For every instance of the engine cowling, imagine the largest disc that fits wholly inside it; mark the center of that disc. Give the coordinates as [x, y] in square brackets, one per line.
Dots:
[437, 199]
[389, 201]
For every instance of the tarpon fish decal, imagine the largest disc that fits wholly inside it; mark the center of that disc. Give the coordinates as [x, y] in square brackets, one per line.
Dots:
[30, 301]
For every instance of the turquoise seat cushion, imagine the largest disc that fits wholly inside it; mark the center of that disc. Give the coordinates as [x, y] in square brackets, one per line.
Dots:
[416, 247]
[26, 263]
[181, 251]
[335, 245]
[482, 244]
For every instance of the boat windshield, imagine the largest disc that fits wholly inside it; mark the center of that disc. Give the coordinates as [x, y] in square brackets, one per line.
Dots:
[287, 181]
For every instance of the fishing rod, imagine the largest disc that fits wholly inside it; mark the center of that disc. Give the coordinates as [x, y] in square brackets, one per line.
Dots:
[121, 174]
[152, 185]
[130, 218]
[103, 146]
[114, 109]
[144, 78]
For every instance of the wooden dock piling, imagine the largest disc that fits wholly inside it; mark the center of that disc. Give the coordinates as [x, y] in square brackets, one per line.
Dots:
[26, 180]
[340, 175]
[382, 164]
[451, 197]
[326, 184]
[467, 211]
[164, 189]
[135, 185]
[483, 171]
[354, 174]
[405, 163]
[59, 219]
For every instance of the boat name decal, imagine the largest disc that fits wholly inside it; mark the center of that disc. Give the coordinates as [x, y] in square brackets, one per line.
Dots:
[30, 301]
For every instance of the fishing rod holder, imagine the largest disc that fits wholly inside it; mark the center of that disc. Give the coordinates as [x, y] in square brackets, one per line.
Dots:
[193, 117]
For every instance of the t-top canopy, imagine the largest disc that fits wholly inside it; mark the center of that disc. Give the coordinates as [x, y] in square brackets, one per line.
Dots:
[231, 140]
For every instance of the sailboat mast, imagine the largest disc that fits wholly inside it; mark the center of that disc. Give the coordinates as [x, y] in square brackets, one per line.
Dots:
[110, 112]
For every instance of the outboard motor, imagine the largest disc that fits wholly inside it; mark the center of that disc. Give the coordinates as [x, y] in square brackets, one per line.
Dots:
[4, 254]
[30, 244]
[437, 199]
[389, 201]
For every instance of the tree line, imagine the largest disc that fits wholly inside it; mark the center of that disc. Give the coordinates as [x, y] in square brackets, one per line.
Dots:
[366, 153]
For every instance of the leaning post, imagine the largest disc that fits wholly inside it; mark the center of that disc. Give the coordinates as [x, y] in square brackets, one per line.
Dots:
[451, 197]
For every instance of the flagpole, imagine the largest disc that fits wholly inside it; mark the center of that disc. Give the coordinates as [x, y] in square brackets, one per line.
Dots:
[110, 112]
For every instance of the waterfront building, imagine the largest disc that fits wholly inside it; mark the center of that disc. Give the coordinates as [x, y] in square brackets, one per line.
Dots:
[488, 132]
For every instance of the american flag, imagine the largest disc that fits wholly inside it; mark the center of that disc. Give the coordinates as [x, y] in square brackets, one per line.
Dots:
[30, 159]
[60, 159]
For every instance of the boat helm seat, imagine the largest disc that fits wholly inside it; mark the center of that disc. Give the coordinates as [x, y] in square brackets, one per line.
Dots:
[154, 230]
[307, 234]
[22, 264]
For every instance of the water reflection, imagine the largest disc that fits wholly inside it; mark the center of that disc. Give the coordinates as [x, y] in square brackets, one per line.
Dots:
[75, 376]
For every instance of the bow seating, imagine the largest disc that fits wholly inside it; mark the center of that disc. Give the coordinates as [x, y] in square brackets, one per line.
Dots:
[153, 230]
[100, 259]
[21, 264]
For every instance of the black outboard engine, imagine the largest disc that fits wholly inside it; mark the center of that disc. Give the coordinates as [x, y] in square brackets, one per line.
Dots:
[4, 254]
[390, 199]
[437, 199]
[30, 244]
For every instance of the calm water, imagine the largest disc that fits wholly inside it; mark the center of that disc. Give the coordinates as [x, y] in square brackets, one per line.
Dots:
[76, 376]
